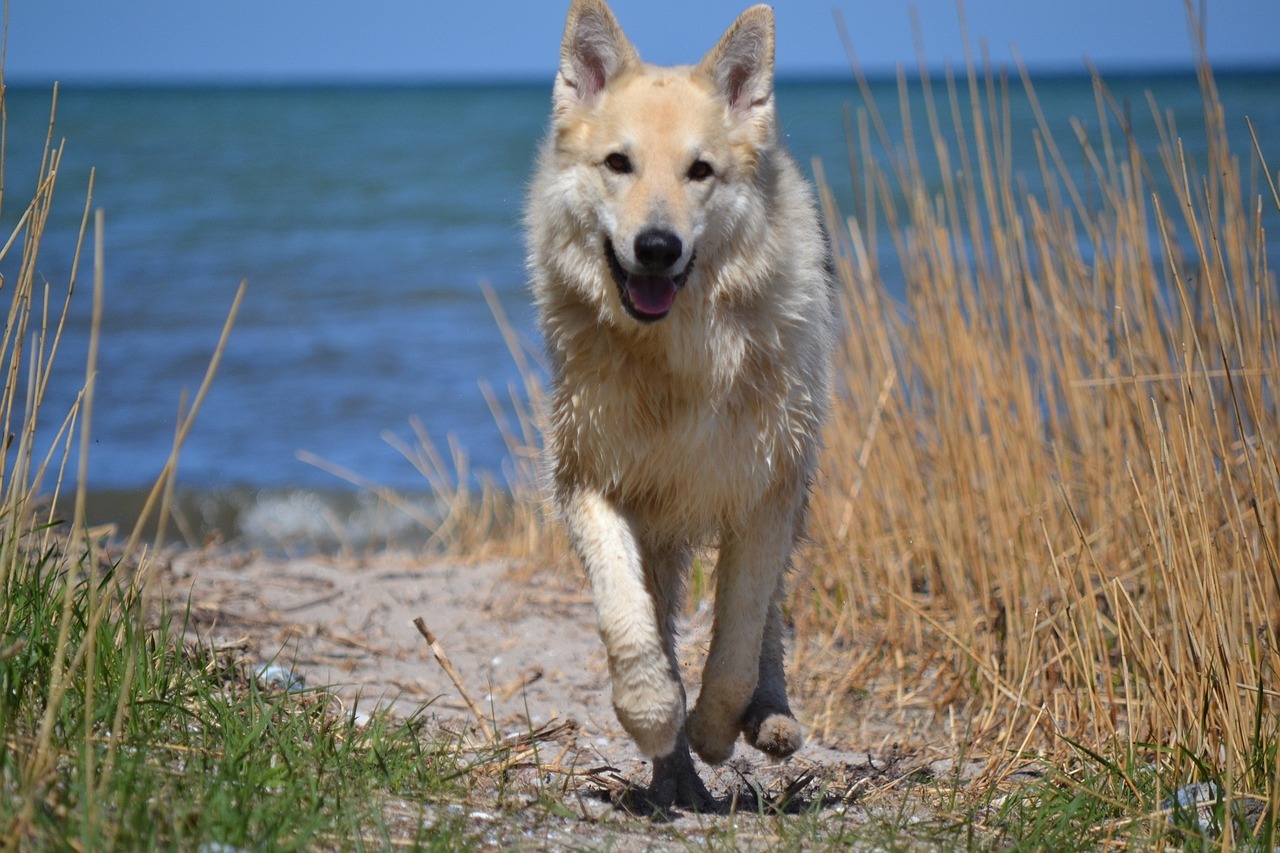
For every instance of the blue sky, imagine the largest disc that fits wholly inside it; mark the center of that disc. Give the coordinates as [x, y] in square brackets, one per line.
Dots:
[409, 40]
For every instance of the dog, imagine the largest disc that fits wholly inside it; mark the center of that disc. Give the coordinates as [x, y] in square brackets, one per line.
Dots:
[683, 285]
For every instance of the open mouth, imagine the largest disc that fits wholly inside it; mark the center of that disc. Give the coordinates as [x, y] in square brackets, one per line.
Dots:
[646, 297]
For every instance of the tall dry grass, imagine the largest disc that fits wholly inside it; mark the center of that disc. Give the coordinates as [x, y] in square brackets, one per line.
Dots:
[1051, 491]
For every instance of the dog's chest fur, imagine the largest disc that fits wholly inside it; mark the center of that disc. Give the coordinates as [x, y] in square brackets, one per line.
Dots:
[687, 432]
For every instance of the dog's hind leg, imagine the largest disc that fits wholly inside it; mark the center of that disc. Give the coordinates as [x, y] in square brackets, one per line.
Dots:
[675, 779]
[647, 695]
[768, 723]
[665, 568]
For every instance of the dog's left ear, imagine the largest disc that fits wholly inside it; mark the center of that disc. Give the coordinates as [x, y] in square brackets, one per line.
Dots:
[741, 64]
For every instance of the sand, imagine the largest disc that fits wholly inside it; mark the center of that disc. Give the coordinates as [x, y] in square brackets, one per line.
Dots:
[523, 647]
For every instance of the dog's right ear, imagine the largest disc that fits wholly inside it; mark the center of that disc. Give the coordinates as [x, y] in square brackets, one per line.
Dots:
[593, 52]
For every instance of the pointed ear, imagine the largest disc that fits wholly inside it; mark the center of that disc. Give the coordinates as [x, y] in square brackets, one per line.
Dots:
[742, 63]
[594, 51]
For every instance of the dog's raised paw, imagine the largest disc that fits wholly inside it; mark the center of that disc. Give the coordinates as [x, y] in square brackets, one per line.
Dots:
[652, 711]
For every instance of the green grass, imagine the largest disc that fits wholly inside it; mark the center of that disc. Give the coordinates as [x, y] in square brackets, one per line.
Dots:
[1102, 804]
[115, 733]
[161, 744]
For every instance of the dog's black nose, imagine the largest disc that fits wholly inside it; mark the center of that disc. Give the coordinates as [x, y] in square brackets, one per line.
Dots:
[657, 249]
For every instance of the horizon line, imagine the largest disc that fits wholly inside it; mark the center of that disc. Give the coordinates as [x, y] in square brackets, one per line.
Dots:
[795, 76]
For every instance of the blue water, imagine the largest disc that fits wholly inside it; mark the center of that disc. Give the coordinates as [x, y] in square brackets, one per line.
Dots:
[365, 220]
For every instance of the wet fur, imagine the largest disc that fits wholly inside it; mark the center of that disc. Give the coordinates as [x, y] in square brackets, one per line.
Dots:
[702, 425]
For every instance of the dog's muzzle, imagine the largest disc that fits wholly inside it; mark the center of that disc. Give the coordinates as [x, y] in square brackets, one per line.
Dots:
[648, 294]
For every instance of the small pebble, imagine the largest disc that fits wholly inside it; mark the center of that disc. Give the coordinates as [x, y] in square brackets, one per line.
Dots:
[219, 847]
[280, 678]
[1201, 796]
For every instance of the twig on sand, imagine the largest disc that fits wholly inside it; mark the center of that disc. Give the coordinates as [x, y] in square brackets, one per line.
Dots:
[443, 660]
[529, 676]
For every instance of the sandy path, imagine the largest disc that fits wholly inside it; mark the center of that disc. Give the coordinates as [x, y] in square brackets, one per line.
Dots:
[350, 626]
[526, 651]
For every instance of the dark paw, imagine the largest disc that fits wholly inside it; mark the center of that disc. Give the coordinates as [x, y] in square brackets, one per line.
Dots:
[685, 791]
[774, 732]
[676, 784]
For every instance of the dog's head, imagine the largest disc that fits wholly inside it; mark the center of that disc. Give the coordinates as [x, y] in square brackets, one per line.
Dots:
[663, 161]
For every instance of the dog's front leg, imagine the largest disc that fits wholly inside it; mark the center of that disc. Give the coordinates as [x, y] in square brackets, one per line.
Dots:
[647, 695]
[753, 559]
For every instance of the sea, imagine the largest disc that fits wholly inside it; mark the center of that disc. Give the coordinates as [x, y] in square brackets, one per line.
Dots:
[369, 222]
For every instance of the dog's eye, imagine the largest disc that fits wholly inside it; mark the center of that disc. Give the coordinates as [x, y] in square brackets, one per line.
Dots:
[618, 163]
[700, 170]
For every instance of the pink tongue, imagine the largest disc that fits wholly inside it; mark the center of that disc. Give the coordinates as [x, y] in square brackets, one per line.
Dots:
[651, 294]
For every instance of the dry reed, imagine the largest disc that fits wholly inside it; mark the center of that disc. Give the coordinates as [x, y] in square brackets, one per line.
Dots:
[1051, 476]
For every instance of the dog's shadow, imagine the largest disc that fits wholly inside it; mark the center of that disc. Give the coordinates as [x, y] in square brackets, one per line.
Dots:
[812, 789]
